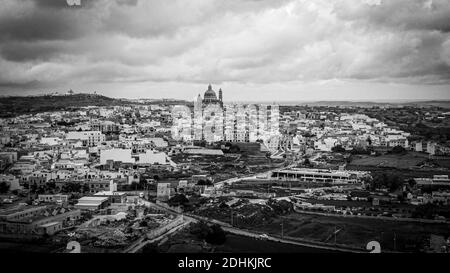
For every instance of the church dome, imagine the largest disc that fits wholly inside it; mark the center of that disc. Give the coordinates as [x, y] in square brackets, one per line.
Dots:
[210, 95]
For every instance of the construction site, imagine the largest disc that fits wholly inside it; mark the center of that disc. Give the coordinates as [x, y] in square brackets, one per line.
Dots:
[116, 233]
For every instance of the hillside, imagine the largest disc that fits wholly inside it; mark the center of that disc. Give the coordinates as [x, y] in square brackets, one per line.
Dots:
[14, 106]
[438, 103]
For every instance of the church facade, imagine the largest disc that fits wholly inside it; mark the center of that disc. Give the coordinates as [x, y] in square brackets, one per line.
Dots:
[212, 120]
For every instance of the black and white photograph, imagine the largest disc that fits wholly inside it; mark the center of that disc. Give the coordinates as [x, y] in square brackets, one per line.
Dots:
[222, 127]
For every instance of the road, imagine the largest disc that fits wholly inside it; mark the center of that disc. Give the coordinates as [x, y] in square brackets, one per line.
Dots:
[286, 240]
[228, 228]
[134, 246]
[252, 177]
[380, 217]
[143, 241]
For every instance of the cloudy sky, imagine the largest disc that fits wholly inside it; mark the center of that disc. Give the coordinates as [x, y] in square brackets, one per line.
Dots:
[270, 50]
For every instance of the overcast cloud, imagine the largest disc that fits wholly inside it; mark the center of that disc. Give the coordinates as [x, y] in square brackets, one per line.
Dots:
[253, 49]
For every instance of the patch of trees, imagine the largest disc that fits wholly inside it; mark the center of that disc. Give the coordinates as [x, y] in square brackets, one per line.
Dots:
[149, 248]
[200, 143]
[398, 150]
[386, 180]
[338, 149]
[133, 186]
[14, 106]
[360, 151]
[213, 234]
[202, 182]
[49, 187]
[178, 200]
[439, 134]
[74, 187]
[4, 187]
[282, 207]
[307, 162]
[231, 148]
[65, 123]
[427, 211]
[308, 134]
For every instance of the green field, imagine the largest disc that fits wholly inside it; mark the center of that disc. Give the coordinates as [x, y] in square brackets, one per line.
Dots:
[357, 232]
[390, 160]
[186, 243]
[241, 244]
[444, 163]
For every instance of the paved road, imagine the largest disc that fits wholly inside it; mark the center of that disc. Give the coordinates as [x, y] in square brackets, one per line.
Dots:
[289, 241]
[380, 217]
[227, 227]
[255, 176]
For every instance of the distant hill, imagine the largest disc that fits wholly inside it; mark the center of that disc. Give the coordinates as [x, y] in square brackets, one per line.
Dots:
[432, 103]
[18, 105]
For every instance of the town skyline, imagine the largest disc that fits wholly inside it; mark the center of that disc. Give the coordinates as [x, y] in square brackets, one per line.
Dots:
[265, 129]
[300, 50]
[234, 99]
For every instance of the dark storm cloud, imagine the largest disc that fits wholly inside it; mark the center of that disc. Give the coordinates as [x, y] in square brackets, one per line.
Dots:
[39, 26]
[27, 20]
[399, 14]
[241, 41]
[152, 18]
[127, 2]
[53, 4]
[22, 51]
[14, 85]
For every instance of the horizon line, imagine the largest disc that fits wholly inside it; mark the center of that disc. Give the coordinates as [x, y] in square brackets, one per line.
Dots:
[403, 100]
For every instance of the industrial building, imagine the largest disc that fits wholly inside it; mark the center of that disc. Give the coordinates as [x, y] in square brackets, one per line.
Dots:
[92, 203]
[36, 220]
[318, 175]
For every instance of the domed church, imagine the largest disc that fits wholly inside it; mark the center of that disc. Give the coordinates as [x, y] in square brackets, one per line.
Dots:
[214, 106]
[210, 97]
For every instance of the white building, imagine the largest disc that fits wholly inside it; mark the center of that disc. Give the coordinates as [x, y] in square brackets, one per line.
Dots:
[116, 155]
[213, 121]
[318, 175]
[11, 180]
[151, 157]
[51, 141]
[53, 198]
[10, 157]
[89, 138]
[325, 144]
[5, 139]
[163, 191]
[92, 203]
[159, 142]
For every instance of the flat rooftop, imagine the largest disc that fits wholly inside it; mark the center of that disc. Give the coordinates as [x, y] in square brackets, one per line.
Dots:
[93, 198]
[109, 193]
[49, 224]
[315, 171]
